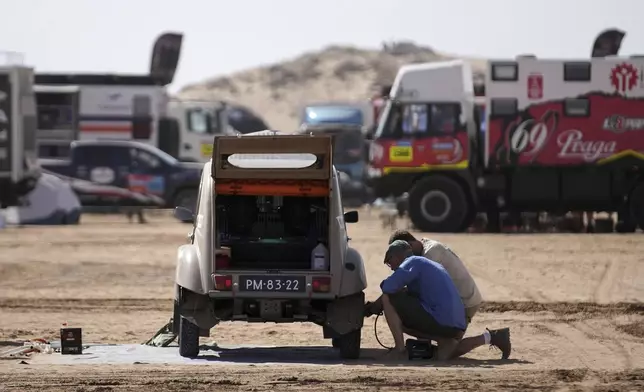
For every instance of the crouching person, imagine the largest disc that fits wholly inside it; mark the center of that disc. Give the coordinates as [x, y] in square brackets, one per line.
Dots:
[440, 253]
[420, 299]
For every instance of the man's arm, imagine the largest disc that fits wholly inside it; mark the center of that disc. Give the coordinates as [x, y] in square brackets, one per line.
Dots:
[399, 279]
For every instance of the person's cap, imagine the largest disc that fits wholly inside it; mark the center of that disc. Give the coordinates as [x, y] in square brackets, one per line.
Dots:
[396, 247]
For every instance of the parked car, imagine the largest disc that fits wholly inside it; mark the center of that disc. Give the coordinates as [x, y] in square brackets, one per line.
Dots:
[116, 172]
[269, 243]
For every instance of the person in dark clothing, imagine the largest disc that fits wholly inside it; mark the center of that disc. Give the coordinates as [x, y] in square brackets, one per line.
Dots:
[419, 298]
[130, 211]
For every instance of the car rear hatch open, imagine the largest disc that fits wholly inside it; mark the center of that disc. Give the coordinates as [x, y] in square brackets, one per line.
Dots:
[272, 195]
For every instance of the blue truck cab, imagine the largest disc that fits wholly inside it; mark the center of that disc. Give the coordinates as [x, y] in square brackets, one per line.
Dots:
[347, 123]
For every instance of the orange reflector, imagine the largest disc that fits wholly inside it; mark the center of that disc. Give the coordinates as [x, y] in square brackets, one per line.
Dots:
[321, 284]
[309, 188]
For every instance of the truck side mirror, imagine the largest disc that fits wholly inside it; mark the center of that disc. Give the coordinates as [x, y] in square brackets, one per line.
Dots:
[184, 214]
[351, 217]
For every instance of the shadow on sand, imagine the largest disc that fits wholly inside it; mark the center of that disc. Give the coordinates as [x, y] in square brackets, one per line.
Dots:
[329, 356]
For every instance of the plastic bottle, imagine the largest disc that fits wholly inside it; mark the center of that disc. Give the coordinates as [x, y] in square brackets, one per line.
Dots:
[320, 258]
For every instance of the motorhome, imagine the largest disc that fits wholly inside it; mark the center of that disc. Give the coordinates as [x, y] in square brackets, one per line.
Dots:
[126, 107]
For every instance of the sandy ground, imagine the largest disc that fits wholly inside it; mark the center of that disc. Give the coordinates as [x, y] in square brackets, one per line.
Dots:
[574, 304]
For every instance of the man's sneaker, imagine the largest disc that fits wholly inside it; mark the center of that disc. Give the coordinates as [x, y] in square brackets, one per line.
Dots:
[500, 338]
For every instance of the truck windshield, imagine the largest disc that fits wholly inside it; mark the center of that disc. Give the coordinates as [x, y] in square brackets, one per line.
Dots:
[333, 115]
[419, 120]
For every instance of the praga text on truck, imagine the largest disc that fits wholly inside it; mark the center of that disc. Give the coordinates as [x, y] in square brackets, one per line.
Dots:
[560, 135]
[126, 107]
[19, 170]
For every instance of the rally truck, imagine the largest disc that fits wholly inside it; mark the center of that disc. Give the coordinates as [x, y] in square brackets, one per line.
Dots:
[19, 172]
[560, 135]
[269, 243]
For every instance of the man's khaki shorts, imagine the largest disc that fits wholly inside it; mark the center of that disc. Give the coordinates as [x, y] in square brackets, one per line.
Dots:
[470, 312]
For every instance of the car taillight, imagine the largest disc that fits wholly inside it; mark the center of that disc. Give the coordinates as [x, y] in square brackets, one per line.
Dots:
[222, 262]
[321, 284]
[223, 282]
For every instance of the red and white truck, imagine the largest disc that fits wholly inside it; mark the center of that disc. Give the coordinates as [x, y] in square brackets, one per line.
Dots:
[560, 135]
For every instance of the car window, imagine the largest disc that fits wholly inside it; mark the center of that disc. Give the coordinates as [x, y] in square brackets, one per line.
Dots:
[143, 161]
[201, 121]
[423, 119]
[95, 156]
[333, 114]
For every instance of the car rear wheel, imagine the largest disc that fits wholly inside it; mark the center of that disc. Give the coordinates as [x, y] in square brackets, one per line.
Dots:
[349, 344]
[188, 339]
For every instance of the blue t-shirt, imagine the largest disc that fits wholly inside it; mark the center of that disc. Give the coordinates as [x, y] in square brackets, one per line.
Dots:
[434, 287]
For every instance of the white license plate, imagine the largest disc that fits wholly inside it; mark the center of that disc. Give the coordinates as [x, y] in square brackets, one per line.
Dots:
[281, 284]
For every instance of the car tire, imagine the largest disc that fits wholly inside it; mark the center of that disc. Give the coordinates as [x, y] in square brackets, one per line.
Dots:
[335, 342]
[349, 344]
[188, 339]
[452, 218]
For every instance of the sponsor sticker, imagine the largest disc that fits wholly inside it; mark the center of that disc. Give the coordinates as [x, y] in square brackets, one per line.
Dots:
[401, 154]
[573, 145]
[620, 124]
[102, 175]
[206, 149]
[535, 86]
[146, 184]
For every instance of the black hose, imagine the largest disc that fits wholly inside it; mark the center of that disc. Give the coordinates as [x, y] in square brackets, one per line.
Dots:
[375, 332]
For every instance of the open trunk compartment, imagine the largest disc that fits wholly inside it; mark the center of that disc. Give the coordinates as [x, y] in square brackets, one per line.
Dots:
[271, 232]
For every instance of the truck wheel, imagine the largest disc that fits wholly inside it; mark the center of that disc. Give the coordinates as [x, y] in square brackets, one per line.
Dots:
[637, 205]
[335, 342]
[349, 344]
[188, 339]
[438, 204]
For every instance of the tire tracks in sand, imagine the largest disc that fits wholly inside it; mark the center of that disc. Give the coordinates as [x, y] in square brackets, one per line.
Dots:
[601, 336]
[613, 272]
[585, 309]
[588, 350]
[516, 289]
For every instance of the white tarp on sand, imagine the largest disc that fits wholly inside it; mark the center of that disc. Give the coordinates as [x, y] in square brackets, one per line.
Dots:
[52, 202]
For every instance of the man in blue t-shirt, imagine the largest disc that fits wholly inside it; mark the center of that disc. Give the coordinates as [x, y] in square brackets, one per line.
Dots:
[419, 298]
